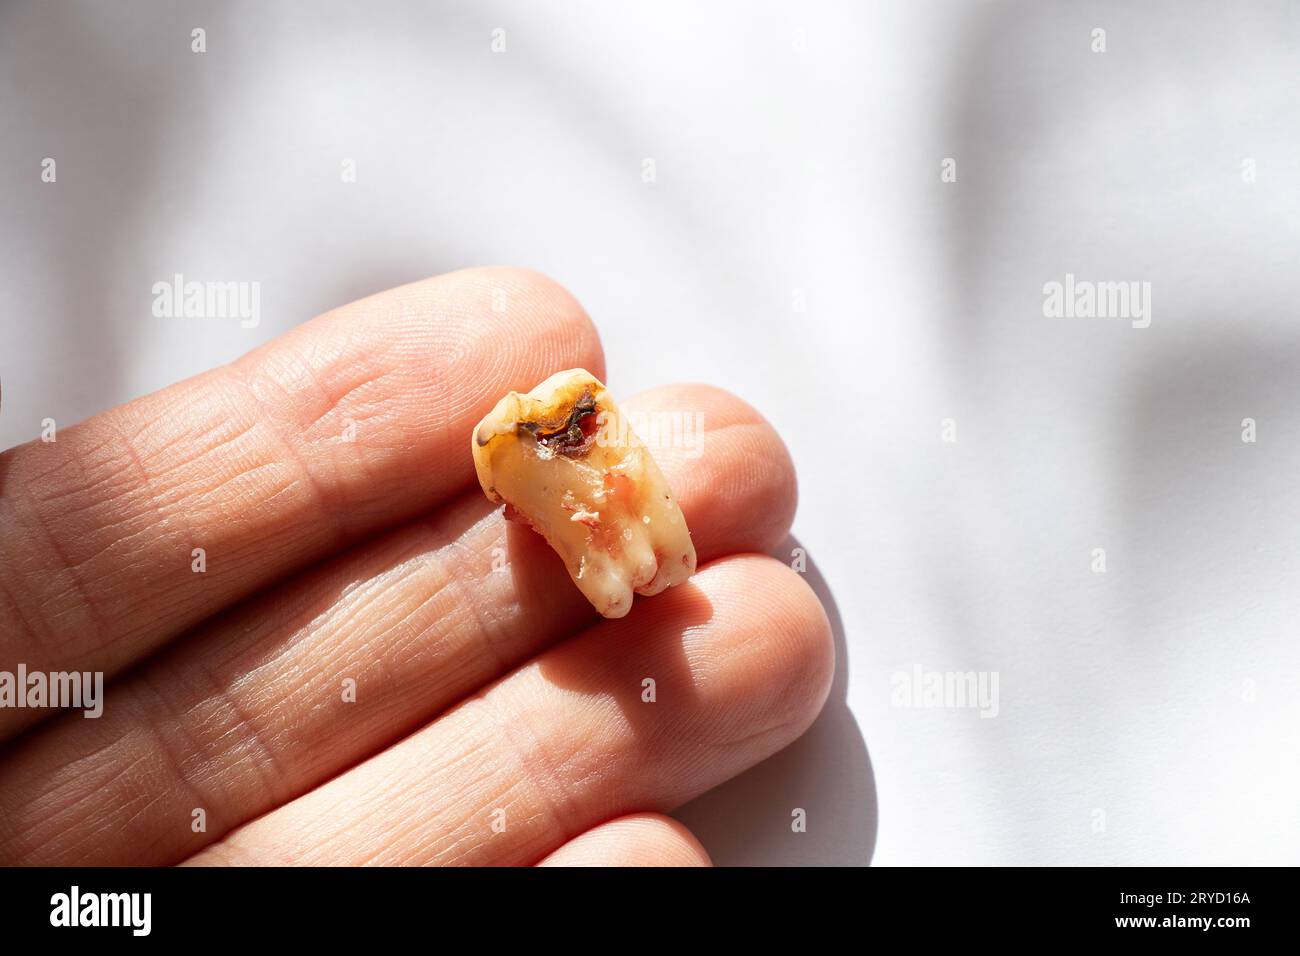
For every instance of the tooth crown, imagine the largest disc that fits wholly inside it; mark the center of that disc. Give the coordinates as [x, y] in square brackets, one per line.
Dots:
[564, 460]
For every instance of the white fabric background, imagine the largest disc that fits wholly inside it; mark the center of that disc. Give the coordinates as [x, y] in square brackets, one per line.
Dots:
[797, 150]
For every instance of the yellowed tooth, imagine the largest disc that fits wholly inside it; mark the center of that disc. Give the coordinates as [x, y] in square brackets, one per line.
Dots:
[565, 460]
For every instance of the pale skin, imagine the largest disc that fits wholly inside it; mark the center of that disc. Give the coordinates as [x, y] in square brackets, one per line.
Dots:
[348, 551]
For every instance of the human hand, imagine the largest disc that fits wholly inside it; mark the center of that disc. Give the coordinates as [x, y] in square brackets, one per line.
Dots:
[321, 643]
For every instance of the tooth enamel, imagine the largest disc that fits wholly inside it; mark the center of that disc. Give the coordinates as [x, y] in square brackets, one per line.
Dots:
[592, 490]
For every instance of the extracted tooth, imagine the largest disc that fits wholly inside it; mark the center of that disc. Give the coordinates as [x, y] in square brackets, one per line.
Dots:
[565, 461]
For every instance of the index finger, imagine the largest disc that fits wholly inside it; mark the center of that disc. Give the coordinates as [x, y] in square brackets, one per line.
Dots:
[142, 521]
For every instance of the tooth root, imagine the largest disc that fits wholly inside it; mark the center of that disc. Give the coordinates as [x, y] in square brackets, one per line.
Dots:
[562, 457]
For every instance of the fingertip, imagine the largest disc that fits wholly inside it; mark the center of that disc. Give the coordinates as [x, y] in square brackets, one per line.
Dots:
[520, 298]
[792, 634]
[728, 466]
[640, 839]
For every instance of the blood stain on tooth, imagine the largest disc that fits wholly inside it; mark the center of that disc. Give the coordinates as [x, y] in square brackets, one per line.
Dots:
[535, 443]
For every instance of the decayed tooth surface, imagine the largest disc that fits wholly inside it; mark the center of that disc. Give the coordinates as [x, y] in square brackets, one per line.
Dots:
[564, 460]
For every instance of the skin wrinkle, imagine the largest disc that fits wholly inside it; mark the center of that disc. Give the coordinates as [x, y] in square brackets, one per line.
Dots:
[171, 760]
[151, 800]
[389, 639]
[41, 639]
[474, 759]
[437, 836]
[266, 756]
[294, 660]
[274, 497]
[398, 576]
[534, 758]
[336, 401]
[332, 516]
[86, 487]
[243, 488]
[378, 640]
[336, 404]
[476, 800]
[81, 796]
[334, 617]
[66, 840]
[208, 444]
[57, 461]
[160, 524]
[300, 625]
[488, 632]
[434, 637]
[217, 762]
[393, 645]
[61, 461]
[381, 640]
[291, 373]
[182, 419]
[120, 542]
[779, 730]
[69, 774]
[78, 590]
